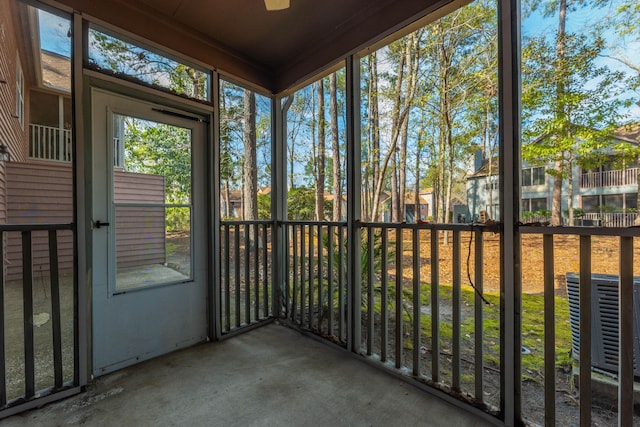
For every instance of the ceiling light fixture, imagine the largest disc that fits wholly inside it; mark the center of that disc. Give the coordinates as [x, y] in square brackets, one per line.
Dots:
[273, 5]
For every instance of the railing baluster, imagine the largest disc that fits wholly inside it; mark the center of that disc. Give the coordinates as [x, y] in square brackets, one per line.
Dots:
[55, 308]
[3, 367]
[399, 298]
[585, 330]
[417, 304]
[256, 273]
[384, 297]
[303, 248]
[27, 299]
[247, 273]
[625, 360]
[265, 272]
[479, 327]
[227, 279]
[320, 278]
[311, 276]
[236, 261]
[370, 318]
[435, 305]
[330, 280]
[294, 298]
[456, 312]
[341, 273]
[549, 332]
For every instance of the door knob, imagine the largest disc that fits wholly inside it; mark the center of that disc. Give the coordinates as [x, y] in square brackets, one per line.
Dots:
[98, 224]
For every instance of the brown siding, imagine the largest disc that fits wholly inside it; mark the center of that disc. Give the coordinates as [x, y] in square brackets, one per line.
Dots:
[132, 187]
[39, 193]
[140, 232]
[140, 236]
[11, 132]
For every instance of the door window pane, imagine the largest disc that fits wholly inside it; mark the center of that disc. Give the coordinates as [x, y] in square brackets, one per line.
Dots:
[152, 202]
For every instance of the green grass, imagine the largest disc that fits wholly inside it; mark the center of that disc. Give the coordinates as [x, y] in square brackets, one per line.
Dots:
[532, 325]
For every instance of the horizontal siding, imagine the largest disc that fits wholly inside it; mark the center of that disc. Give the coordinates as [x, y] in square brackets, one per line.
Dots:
[40, 255]
[39, 193]
[11, 132]
[140, 236]
[131, 187]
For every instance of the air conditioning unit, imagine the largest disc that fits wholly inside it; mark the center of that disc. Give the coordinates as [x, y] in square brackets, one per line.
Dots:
[604, 320]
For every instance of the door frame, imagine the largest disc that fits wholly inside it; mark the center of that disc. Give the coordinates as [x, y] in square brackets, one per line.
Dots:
[205, 113]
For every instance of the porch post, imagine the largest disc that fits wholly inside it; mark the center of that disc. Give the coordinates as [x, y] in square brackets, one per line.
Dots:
[81, 244]
[509, 155]
[354, 185]
[213, 171]
[279, 199]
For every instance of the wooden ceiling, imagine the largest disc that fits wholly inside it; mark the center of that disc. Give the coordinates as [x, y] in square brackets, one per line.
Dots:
[273, 50]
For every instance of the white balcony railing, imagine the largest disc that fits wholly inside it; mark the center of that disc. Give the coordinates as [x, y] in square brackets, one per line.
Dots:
[50, 143]
[611, 178]
[608, 219]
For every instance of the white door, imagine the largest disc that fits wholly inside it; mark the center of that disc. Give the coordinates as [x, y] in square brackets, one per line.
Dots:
[149, 255]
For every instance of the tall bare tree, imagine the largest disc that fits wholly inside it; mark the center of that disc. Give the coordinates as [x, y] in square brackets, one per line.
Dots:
[321, 167]
[250, 167]
[335, 148]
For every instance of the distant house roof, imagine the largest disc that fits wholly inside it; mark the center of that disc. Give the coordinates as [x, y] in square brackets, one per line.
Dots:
[629, 133]
[56, 71]
[484, 169]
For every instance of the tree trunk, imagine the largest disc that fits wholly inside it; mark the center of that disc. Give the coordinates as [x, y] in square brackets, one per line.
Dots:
[396, 124]
[321, 155]
[374, 125]
[395, 133]
[417, 213]
[335, 148]
[402, 152]
[250, 168]
[227, 199]
[556, 212]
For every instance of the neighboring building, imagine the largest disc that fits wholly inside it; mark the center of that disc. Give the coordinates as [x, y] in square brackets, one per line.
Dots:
[36, 183]
[605, 196]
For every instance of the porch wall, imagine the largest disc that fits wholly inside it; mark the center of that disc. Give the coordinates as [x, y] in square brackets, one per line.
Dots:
[140, 231]
[41, 193]
[38, 193]
[12, 133]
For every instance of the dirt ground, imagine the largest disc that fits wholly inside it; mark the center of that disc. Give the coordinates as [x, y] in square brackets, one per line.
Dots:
[604, 259]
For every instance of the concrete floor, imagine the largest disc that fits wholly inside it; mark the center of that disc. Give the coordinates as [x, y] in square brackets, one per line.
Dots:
[271, 376]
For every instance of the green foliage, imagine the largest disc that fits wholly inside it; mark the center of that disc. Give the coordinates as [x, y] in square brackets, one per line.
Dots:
[301, 204]
[577, 212]
[264, 206]
[160, 149]
[543, 213]
[527, 215]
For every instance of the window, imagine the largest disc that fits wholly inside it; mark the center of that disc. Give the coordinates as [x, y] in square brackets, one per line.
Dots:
[533, 205]
[19, 92]
[533, 176]
[113, 54]
[590, 203]
[494, 186]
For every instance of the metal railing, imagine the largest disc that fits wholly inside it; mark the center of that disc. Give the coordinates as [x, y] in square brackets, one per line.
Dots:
[49, 366]
[611, 178]
[246, 284]
[625, 377]
[402, 304]
[315, 278]
[439, 327]
[50, 143]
